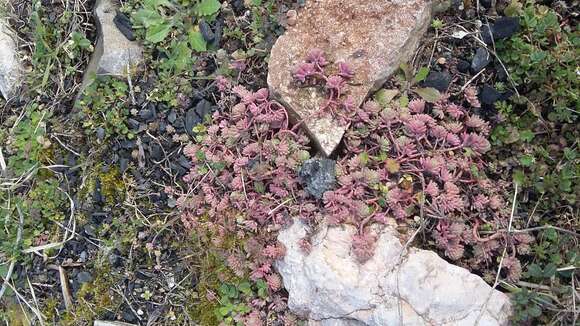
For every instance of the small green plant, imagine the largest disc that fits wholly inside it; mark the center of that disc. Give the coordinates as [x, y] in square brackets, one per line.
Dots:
[28, 144]
[437, 24]
[156, 20]
[543, 58]
[409, 84]
[233, 300]
[104, 104]
[526, 307]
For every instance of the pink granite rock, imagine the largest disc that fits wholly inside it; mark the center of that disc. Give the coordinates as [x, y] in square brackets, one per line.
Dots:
[372, 36]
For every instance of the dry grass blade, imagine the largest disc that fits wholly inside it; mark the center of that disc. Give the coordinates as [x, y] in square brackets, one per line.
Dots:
[13, 262]
[496, 283]
[65, 288]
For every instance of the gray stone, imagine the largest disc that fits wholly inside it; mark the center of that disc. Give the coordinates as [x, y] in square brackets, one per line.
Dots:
[372, 36]
[114, 54]
[318, 176]
[397, 286]
[11, 71]
[84, 277]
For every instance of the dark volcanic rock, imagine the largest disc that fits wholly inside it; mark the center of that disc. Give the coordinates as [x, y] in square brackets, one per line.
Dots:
[438, 79]
[195, 116]
[206, 31]
[480, 60]
[463, 66]
[318, 176]
[115, 259]
[489, 95]
[502, 28]
[124, 26]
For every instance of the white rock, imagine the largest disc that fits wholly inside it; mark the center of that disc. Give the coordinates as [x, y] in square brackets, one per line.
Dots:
[114, 53]
[10, 65]
[395, 287]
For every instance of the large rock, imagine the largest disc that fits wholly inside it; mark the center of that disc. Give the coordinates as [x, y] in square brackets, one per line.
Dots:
[114, 54]
[372, 36]
[10, 65]
[396, 286]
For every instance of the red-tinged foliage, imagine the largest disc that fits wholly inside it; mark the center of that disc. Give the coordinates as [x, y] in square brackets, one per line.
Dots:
[424, 161]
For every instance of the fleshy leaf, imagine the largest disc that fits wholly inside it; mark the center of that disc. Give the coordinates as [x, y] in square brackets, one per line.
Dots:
[207, 7]
[429, 94]
[197, 41]
[158, 33]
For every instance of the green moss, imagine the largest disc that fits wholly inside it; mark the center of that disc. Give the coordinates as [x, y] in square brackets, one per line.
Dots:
[112, 186]
[93, 299]
[213, 274]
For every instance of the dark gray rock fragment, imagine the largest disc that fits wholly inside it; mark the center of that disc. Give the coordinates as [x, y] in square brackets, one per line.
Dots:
[318, 175]
[502, 28]
[480, 60]
[438, 79]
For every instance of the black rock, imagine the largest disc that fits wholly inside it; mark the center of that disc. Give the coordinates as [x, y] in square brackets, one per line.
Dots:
[203, 108]
[238, 6]
[100, 133]
[502, 28]
[132, 123]
[98, 217]
[128, 144]
[129, 316]
[191, 120]
[177, 169]
[206, 31]
[485, 3]
[84, 277]
[171, 116]
[124, 26]
[89, 230]
[148, 114]
[184, 162]
[123, 164]
[463, 66]
[83, 256]
[219, 25]
[489, 95]
[318, 176]
[156, 152]
[480, 60]
[500, 73]
[179, 124]
[438, 79]
[115, 258]
[196, 115]
[97, 194]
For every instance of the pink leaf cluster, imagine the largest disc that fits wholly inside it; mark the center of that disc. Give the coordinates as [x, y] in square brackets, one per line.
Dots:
[312, 72]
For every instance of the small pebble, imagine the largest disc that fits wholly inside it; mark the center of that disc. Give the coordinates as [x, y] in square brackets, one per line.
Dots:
[84, 277]
[100, 134]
